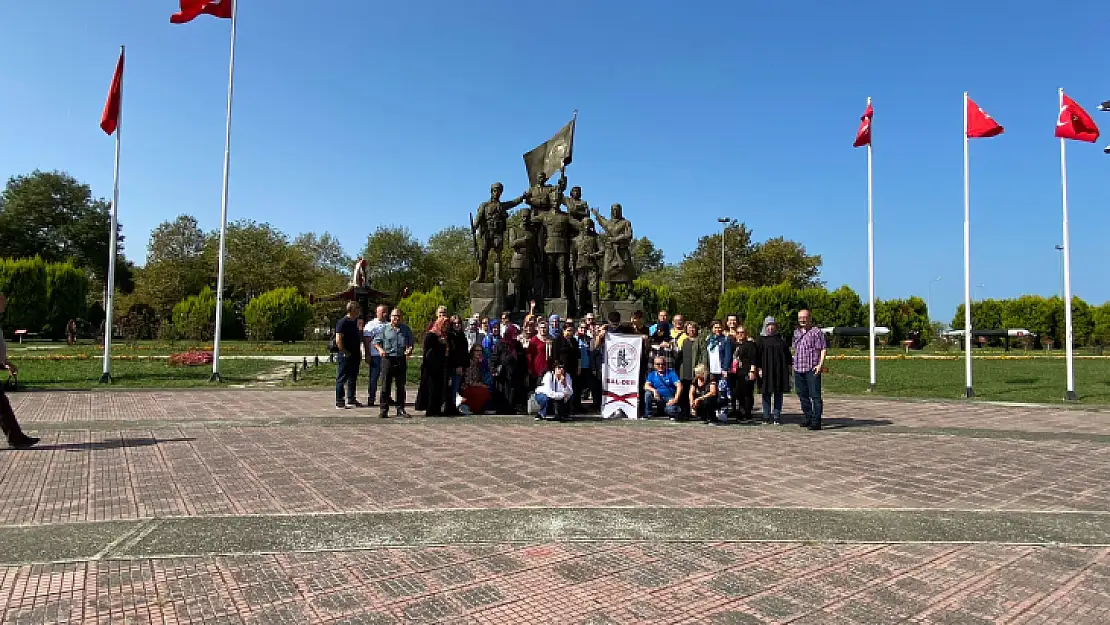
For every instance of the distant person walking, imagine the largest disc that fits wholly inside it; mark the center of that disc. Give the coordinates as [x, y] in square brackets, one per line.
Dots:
[8, 423]
[348, 342]
[71, 332]
[810, 349]
[394, 345]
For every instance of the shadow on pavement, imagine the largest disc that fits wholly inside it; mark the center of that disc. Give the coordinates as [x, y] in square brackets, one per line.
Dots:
[112, 443]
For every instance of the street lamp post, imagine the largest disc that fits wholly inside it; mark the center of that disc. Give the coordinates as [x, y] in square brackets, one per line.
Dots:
[725, 223]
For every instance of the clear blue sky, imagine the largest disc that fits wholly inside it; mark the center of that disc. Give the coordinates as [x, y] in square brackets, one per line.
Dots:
[353, 114]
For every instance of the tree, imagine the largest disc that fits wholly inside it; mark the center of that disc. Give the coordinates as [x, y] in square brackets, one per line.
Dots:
[1100, 318]
[325, 252]
[646, 257]
[395, 259]
[778, 261]
[450, 258]
[280, 314]
[55, 217]
[699, 284]
[176, 265]
[259, 258]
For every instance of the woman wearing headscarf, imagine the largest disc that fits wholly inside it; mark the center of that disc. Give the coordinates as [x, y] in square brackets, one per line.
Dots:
[490, 340]
[476, 381]
[776, 363]
[554, 327]
[507, 367]
[538, 352]
[433, 370]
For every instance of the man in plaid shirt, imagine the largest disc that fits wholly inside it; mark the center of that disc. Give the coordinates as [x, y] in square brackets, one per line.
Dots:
[810, 349]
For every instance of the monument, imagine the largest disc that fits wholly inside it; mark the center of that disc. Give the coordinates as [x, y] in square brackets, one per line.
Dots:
[558, 258]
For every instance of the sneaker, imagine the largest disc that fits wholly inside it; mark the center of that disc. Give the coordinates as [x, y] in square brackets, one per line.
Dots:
[384, 415]
[354, 403]
[370, 402]
[401, 413]
[538, 418]
[341, 406]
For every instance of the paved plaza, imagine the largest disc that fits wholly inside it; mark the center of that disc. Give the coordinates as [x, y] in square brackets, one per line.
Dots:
[272, 507]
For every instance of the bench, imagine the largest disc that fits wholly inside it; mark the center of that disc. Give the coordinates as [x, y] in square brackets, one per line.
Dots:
[23, 333]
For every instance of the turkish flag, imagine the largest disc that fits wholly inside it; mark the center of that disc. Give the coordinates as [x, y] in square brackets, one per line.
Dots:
[190, 9]
[863, 135]
[109, 119]
[1075, 123]
[979, 124]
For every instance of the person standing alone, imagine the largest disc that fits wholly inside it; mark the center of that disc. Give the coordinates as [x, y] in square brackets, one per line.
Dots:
[810, 349]
[8, 423]
[394, 344]
[348, 342]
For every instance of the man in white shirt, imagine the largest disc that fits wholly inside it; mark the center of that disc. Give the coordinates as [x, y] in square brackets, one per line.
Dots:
[370, 331]
[555, 394]
[8, 423]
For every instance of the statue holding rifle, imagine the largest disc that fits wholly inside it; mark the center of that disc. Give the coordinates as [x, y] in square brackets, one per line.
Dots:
[490, 225]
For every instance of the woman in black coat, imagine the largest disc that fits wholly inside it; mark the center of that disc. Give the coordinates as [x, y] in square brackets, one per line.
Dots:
[458, 358]
[433, 371]
[507, 367]
[745, 358]
[775, 364]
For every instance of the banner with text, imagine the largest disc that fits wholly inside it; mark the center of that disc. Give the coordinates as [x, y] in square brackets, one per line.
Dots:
[620, 375]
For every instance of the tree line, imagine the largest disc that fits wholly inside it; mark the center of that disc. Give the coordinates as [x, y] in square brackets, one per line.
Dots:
[55, 218]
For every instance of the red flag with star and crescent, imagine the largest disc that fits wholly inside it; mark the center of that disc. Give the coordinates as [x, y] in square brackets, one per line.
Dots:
[1075, 123]
[863, 135]
[979, 124]
[190, 9]
[109, 118]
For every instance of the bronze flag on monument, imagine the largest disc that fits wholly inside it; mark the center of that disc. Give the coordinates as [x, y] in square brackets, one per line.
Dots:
[552, 155]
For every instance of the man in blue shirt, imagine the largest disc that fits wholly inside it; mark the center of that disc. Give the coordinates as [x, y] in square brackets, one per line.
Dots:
[394, 344]
[348, 340]
[662, 390]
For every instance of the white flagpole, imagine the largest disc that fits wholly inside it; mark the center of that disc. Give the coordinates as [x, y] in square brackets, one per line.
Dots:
[1068, 336]
[870, 261]
[967, 259]
[223, 208]
[109, 308]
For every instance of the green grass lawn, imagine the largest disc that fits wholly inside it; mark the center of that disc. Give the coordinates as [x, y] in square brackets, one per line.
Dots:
[163, 348]
[324, 377]
[85, 374]
[1040, 380]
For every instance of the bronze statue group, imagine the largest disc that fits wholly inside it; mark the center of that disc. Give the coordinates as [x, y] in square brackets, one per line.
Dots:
[556, 254]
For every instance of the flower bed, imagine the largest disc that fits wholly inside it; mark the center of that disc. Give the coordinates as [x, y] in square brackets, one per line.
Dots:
[190, 359]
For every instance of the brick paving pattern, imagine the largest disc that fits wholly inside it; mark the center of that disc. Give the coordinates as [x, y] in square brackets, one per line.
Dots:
[123, 456]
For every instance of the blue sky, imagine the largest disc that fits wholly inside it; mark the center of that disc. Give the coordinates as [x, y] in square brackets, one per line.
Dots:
[365, 113]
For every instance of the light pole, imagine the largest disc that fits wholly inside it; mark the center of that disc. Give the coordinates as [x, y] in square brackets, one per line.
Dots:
[1060, 263]
[929, 304]
[977, 287]
[725, 223]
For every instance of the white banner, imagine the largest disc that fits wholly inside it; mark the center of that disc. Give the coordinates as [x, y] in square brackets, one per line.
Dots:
[620, 375]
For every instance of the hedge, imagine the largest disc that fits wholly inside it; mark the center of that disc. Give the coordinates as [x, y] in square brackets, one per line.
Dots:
[280, 314]
[67, 292]
[1040, 315]
[419, 309]
[194, 318]
[42, 297]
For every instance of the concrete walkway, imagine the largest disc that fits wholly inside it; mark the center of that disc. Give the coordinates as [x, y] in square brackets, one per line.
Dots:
[270, 507]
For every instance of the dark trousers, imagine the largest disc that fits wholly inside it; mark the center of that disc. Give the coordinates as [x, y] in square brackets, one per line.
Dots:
[394, 370]
[346, 377]
[587, 381]
[375, 375]
[808, 386]
[7, 420]
[707, 409]
[743, 394]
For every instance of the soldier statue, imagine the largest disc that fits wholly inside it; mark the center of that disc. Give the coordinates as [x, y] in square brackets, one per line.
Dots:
[522, 240]
[542, 197]
[618, 268]
[585, 259]
[577, 208]
[491, 223]
[559, 229]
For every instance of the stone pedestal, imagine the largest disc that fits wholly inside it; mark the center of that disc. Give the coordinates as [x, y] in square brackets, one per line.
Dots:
[487, 299]
[555, 306]
[624, 307]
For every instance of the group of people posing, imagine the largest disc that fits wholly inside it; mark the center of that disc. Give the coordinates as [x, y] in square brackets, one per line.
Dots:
[553, 367]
